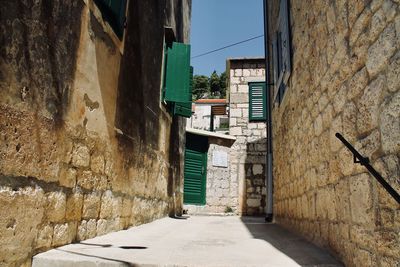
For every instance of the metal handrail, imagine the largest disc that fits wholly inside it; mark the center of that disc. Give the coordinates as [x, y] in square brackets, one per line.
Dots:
[358, 158]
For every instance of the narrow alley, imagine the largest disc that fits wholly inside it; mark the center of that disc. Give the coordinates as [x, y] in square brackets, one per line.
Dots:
[192, 241]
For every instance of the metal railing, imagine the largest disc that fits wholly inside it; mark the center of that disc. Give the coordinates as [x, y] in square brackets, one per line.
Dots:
[358, 158]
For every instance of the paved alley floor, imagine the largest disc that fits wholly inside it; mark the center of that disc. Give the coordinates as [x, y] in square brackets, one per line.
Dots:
[193, 241]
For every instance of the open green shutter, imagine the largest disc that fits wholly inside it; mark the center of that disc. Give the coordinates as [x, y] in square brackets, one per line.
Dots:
[113, 11]
[184, 109]
[257, 102]
[177, 81]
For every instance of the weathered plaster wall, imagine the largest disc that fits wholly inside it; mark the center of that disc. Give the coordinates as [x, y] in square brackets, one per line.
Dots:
[248, 153]
[345, 78]
[86, 147]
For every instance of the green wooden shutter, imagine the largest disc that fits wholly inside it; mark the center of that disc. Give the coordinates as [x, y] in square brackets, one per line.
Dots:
[113, 12]
[184, 109]
[195, 177]
[257, 102]
[177, 80]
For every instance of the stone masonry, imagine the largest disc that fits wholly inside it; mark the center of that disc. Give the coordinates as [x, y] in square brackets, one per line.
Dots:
[248, 153]
[86, 146]
[345, 78]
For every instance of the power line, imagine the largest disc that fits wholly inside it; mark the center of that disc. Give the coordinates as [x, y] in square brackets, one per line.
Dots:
[222, 48]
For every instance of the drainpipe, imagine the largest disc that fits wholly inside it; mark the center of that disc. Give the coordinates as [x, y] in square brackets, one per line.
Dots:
[269, 178]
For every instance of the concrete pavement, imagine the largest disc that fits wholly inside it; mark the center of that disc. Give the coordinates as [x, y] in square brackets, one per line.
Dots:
[194, 241]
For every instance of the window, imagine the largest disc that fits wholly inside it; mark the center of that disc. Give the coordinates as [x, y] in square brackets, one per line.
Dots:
[114, 12]
[177, 80]
[281, 52]
[257, 102]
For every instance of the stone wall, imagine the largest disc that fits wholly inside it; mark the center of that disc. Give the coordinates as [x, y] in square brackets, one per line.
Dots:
[86, 147]
[345, 78]
[248, 153]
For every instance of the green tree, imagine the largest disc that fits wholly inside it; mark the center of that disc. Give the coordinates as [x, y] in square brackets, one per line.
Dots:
[201, 86]
[215, 84]
[222, 84]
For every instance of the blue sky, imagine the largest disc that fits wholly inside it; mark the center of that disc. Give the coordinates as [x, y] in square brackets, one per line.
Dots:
[217, 23]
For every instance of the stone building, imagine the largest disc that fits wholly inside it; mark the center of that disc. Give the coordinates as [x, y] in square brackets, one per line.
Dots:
[203, 117]
[248, 153]
[336, 68]
[87, 144]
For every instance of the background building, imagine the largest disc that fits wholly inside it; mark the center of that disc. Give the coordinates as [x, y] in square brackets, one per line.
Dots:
[87, 144]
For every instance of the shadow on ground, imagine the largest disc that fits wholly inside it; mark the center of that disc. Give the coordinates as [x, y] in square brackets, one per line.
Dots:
[291, 244]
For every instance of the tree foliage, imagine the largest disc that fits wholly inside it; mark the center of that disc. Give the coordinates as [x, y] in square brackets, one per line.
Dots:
[201, 86]
[209, 87]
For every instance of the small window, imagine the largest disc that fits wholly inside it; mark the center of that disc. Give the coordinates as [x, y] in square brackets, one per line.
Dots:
[177, 80]
[257, 102]
[114, 12]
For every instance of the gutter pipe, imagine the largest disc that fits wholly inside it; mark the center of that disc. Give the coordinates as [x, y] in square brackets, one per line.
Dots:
[269, 178]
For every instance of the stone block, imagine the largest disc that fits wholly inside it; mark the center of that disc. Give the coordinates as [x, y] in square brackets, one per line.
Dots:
[74, 206]
[381, 51]
[349, 121]
[235, 113]
[81, 231]
[390, 125]
[233, 88]
[393, 74]
[388, 243]
[239, 98]
[238, 72]
[64, 233]
[340, 98]
[369, 145]
[246, 73]
[364, 258]
[87, 180]
[235, 131]
[258, 169]
[336, 127]
[55, 208]
[21, 213]
[342, 191]
[68, 177]
[357, 84]
[91, 206]
[318, 125]
[102, 225]
[368, 106]
[81, 156]
[361, 200]
[44, 237]
[243, 88]
[361, 23]
[97, 163]
[253, 202]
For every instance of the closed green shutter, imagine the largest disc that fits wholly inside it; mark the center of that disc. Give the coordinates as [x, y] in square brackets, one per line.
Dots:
[113, 12]
[257, 102]
[184, 109]
[195, 177]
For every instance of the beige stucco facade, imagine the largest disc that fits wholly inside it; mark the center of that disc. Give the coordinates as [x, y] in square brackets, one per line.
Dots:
[345, 78]
[86, 145]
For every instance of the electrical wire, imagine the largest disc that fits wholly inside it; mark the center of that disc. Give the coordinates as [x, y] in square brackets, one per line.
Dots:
[222, 48]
